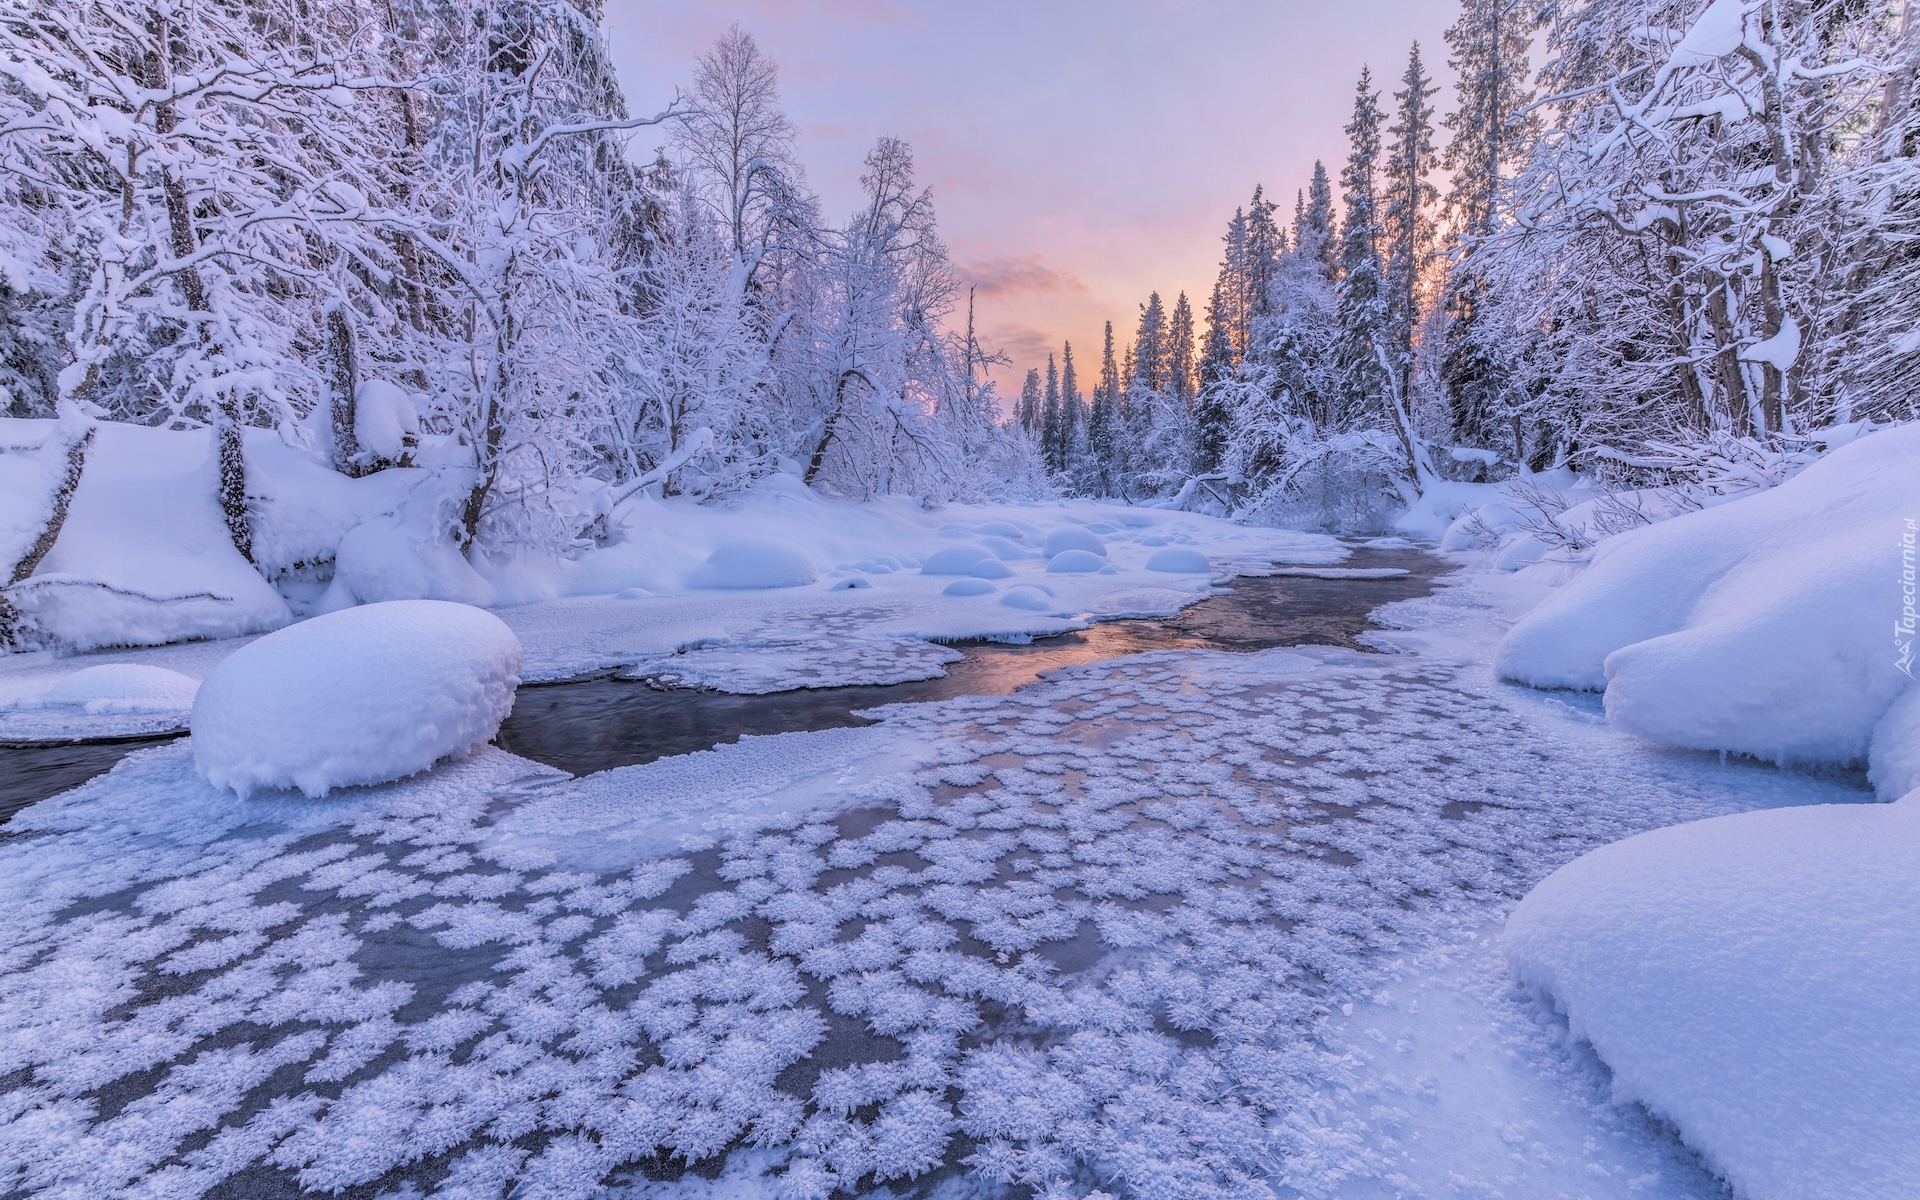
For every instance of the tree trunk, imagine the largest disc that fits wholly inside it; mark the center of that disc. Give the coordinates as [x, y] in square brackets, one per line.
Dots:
[49, 534]
[346, 377]
[226, 417]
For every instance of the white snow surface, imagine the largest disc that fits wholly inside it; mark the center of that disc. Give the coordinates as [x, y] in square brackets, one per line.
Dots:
[144, 556]
[361, 696]
[119, 688]
[1751, 978]
[1759, 626]
[1124, 930]
[1893, 760]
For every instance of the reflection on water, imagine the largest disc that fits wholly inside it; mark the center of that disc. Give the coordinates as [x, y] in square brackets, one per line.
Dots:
[597, 724]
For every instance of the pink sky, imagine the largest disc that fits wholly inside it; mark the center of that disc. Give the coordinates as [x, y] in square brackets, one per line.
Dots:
[1081, 153]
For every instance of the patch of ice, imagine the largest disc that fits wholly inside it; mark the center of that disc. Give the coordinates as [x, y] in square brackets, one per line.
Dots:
[360, 696]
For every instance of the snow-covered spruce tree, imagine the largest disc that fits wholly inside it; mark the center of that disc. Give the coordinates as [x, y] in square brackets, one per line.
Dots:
[1490, 128]
[1181, 366]
[1213, 400]
[1105, 424]
[1030, 409]
[1361, 290]
[1050, 415]
[1070, 434]
[1407, 220]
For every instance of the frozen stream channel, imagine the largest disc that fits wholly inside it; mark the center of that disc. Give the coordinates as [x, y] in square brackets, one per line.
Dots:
[1179, 924]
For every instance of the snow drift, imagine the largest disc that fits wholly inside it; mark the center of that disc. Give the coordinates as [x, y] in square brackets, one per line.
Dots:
[1759, 626]
[364, 695]
[144, 557]
[1751, 979]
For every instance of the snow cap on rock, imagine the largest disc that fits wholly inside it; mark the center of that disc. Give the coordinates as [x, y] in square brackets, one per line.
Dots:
[360, 696]
[756, 563]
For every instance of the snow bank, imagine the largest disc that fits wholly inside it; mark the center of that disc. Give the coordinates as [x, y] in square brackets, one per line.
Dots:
[360, 696]
[145, 557]
[1751, 979]
[1893, 760]
[118, 688]
[755, 563]
[1758, 626]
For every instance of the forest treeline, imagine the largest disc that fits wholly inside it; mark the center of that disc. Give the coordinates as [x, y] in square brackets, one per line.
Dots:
[1686, 242]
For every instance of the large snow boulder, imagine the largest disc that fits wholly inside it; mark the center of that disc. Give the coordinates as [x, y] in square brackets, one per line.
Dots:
[755, 563]
[1758, 626]
[1752, 979]
[956, 560]
[118, 688]
[1072, 538]
[360, 696]
[145, 557]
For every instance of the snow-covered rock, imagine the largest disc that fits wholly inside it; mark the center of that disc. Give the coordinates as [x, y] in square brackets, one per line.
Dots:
[385, 419]
[118, 688]
[145, 557]
[1178, 560]
[1751, 979]
[755, 563]
[1073, 562]
[1759, 626]
[1074, 538]
[955, 560]
[360, 696]
[1029, 598]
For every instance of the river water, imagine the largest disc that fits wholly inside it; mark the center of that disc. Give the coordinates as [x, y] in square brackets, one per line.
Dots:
[597, 724]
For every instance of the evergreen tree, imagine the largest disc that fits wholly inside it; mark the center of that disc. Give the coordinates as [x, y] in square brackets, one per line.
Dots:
[1361, 308]
[1180, 353]
[1313, 232]
[1103, 421]
[1232, 282]
[1266, 241]
[1050, 414]
[1030, 410]
[1489, 53]
[1213, 410]
[1150, 346]
[1070, 411]
[1406, 222]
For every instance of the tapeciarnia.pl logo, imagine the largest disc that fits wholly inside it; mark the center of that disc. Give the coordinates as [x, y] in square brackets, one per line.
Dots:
[1903, 629]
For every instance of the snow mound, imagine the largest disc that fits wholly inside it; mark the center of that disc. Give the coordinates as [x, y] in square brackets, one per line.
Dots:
[968, 587]
[1074, 562]
[1757, 626]
[1028, 597]
[1893, 760]
[1751, 979]
[364, 695]
[955, 560]
[385, 419]
[402, 557]
[145, 557]
[1178, 560]
[1073, 539]
[755, 563]
[119, 688]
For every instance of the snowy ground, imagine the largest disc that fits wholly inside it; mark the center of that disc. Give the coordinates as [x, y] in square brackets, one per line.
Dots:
[1184, 924]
